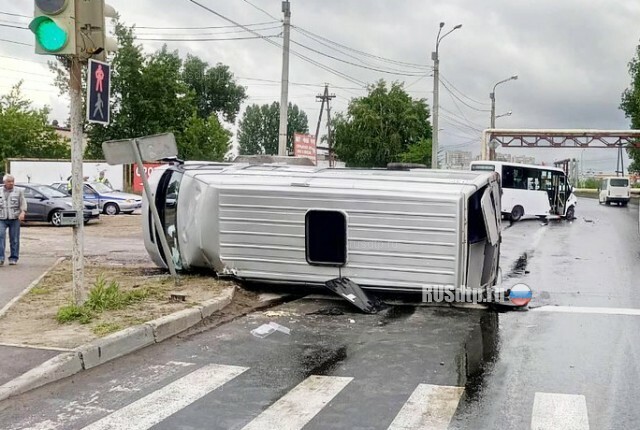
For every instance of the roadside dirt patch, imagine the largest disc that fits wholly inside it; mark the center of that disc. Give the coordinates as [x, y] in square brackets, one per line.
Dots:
[32, 321]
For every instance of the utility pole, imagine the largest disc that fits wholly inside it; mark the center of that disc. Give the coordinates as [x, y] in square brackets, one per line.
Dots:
[492, 96]
[436, 86]
[326, 98]
[284, 86]
[77, 182]
[620, 162]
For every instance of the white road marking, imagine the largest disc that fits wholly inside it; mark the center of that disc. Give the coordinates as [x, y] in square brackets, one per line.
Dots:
[429, 407]
[553, 411]
[155, 407]
[588, 310]
[296, 408]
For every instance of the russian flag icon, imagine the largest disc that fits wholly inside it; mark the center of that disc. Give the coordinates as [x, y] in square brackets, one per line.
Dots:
[520, 295]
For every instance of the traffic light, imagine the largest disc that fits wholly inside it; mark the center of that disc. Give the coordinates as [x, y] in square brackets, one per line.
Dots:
[92, 40]
[54, 27]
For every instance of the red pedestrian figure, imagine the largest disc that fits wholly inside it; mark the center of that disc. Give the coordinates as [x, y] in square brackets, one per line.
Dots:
[99, 78]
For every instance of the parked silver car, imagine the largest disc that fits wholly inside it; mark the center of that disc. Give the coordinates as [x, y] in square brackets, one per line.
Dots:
[109, 201]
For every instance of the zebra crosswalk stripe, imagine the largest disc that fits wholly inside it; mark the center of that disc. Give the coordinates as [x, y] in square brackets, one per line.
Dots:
[155, 407]
[296, 408]
[429, 407]
[559, 411]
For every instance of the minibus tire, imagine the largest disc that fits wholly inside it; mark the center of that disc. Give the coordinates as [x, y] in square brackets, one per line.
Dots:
[571, 213]
[516, 213]
[624, 204]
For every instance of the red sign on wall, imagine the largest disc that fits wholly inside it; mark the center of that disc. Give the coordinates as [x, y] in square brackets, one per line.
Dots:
[304, 145]
[137, 179]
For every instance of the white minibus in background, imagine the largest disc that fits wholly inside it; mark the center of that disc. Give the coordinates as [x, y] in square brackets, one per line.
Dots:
[530, 190]
[614, 190]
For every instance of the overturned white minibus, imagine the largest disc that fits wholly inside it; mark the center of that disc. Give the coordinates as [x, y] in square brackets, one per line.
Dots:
[401, 229]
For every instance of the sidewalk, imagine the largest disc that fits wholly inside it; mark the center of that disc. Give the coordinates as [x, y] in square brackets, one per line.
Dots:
[13, 281]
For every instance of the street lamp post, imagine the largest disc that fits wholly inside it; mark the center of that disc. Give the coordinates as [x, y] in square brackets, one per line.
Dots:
[492, 96]
[436, 86]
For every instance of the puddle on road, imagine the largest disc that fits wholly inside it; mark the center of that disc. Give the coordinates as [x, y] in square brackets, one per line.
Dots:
[519, 268]
[322, 361]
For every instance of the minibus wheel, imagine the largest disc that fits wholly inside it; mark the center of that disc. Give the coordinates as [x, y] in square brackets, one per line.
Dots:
[571, 212]
[516, 213]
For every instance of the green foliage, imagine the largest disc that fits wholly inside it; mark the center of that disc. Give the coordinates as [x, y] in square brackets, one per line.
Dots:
[382, 127]
[631, 106]
[205, 139]
[105, 295]
[105, 328]
[590, 183]
[418, 153]
[25, 132]
[259, 127]
[215, 89]
[69, 313]
[159, 93]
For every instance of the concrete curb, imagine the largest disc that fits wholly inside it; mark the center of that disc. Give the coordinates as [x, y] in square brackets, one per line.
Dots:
[32, 285]
[113, 346]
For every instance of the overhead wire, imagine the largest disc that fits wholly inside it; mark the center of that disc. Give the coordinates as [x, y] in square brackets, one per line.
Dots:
[309, 60]
[210, 27]
[462, 101]
[260, 9]
[391, 72]
[462, 93]
[15, 14]
[355, 57]
[363, 53]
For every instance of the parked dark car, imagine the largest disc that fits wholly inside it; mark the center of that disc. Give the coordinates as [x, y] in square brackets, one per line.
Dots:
[45, 203]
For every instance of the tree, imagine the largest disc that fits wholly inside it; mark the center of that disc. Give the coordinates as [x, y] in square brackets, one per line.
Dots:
[148, 95]
[205, 140]
[384, 126]
[258, 129]
[631, 106]
[215, 88]
[25, 132]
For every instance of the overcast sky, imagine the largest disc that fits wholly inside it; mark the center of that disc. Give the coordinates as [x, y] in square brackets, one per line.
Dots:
[570, 56]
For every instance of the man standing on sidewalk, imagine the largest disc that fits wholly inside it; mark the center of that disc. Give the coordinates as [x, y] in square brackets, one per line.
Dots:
[13, 208]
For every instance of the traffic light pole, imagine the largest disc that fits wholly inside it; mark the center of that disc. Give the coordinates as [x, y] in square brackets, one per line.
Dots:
[77, 182]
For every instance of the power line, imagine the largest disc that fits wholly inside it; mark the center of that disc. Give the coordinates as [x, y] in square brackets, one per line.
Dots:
[17, 43]
[309, 60]
[298, 83]
[337, 48]
[257, 24]
[354, 64]
[260, 9]
[463, 94]
[14, 26]
[220, 39]
[462, 101]
[463, 119]
[22, 59]
[15, 14]
[363, 53]
[160, 34]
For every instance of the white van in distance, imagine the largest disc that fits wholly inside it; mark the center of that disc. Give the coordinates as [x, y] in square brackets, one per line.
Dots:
[614, 190]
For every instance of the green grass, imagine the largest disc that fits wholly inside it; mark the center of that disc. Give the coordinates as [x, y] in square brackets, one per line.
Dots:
[71, 312]
[105, 328]
[38, 291]
[105, 295]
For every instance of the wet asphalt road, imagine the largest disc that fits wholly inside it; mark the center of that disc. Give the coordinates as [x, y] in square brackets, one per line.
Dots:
[515, 370]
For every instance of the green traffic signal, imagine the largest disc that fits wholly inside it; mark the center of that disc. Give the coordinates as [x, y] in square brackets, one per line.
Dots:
[49, 35]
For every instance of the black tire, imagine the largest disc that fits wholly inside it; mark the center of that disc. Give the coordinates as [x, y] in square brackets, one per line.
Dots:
[571, 212]
[624, 204]
[55, 218]
[607, 202]
[111, 209]
[517, 213]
